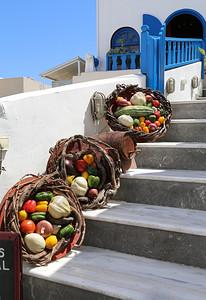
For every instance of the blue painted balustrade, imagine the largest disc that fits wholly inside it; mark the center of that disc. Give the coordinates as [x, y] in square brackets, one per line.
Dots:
[160, 53]
[123, 61]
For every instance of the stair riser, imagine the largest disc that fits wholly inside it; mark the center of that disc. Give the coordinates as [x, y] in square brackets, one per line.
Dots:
[158, 244]
[163, 193]
[188, 111]
[37, 288]
[171, 158]
[185, 132]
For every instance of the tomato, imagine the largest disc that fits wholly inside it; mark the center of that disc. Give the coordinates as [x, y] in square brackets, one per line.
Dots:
[157, 123]
[80, 165]
[156, 103]
[27, 226]
[29, 206]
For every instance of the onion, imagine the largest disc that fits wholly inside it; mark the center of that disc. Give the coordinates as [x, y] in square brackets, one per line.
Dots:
[44, 228]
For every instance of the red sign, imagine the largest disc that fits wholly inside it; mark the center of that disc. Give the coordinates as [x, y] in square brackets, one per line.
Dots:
[10, 266]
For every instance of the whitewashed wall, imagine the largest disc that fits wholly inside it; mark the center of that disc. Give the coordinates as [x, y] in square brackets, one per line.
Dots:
[35, 121]
[114, 14]
[181, 74]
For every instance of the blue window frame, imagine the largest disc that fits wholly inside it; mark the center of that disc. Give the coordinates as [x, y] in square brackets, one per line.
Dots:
[130, 37]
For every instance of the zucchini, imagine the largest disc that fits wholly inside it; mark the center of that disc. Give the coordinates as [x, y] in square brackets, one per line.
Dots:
[134, 111]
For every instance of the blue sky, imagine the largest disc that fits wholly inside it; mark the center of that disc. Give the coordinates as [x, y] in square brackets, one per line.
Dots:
[37, 35]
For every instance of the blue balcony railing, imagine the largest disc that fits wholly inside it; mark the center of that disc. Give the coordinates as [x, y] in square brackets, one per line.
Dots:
[181, 52]
[123, 61]
[160, 53]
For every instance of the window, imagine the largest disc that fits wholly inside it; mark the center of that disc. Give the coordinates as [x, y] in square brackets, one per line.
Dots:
[129, 37]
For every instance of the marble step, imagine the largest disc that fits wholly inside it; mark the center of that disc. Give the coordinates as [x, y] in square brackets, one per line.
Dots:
[185, 130]
[164, 187]
[172, 155]
[188, 109]
[90, 273]
[163, 233]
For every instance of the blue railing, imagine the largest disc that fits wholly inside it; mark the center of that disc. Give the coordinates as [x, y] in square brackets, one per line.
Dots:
[123, 61]
[160, 53]
[180, 52]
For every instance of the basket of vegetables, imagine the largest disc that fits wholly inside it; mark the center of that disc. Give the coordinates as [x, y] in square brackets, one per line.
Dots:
[90, 167]
[46, 214]
[145, 113]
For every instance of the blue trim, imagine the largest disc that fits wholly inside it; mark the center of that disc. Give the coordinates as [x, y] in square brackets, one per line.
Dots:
[153, 23]
[190, 12]
[128, 41]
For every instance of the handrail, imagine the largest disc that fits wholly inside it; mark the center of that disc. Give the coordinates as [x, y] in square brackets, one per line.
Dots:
[123, 61]
[160, 53]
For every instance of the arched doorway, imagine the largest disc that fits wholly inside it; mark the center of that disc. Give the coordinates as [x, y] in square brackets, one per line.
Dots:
[185, 23]
[185, 26]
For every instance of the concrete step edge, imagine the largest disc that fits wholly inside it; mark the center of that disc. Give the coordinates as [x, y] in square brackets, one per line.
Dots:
[191, 145]
[186, 121]
[166, 175]
[201, 100]
[123, 276]
[150, 216]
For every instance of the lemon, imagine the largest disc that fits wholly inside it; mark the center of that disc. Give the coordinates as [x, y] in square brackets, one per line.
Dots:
[51, 241]
[22, 215]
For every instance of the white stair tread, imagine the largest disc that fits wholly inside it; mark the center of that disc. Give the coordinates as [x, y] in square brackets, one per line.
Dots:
[190, 121]
[202, 100]
[123, 276]
[166, 174]
[151, 216]
[193, 145]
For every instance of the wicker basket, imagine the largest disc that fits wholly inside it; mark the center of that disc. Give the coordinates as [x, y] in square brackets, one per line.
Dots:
[127, 91]
[106, 158]
[26, 189]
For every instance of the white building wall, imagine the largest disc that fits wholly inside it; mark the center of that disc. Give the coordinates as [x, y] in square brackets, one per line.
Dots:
[181, 75]
[114, 14]
[34, 122]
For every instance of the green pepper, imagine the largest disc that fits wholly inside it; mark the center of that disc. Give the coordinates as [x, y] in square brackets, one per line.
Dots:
[44, 196]
[152, 118]
[93, 181]
[149, 104]
[136, 122]
[38, 216]
[92, 170]
[162, 111]
[66, 231]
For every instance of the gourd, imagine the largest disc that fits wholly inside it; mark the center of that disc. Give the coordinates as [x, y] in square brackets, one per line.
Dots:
[79, 186]
[125, 120]
[134, 111]
[59, 207]
[138, 99]
[35, 242]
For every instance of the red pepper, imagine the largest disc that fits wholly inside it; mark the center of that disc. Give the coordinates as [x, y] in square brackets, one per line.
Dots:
[29, 206]
[147, 122]
[80, 165]
[157, 113]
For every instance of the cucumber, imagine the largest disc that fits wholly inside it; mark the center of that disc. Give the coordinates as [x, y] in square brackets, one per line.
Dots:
[44, 196]
[134, 111]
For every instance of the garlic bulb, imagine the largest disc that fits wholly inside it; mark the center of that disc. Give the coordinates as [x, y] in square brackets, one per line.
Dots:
[35, 242]
[79, 186]
[59, 207]
[138, 99]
